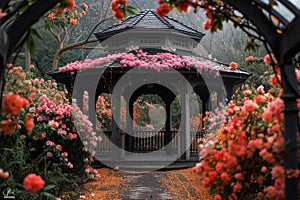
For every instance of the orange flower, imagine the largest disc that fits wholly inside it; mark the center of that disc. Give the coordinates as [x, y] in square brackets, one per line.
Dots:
[29, 123]
[218, 197]
[249, 106]
[60, 11]
[207, 24]
[51, 16]
[33, 183]
[233, 66]
[267, 59]
[85, 6]
[114, 5]
[119, 14]
[32, 95]
[70, 4]
[184, 6]
[249, 58]
[163, 9]
[73, 21]
[8, 126]
[12, 103]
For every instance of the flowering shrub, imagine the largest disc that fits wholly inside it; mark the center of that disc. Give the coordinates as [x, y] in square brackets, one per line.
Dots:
[38, 136]
[141, 59]
[245, 160]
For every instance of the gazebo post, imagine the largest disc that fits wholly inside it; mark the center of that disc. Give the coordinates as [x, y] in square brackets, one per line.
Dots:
[168, 136]
[91, 103]
[116, 136]
[229, 90]
[185, 116]
[290, 127]
[130, 128]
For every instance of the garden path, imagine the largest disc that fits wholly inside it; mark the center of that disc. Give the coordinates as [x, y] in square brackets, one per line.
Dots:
[166, 185]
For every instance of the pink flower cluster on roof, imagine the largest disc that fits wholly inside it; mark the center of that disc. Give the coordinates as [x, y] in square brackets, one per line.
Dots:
[142, 59]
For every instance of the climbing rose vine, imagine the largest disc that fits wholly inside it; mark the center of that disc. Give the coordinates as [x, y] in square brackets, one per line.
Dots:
[142, 59]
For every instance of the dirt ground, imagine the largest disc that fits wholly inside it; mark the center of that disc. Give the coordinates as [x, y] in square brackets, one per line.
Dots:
[170, 185]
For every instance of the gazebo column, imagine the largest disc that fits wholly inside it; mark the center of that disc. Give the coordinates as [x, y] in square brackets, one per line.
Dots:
[129, 124]
[168, 135]
[185, 135]
[116, 136]
[92, 108]
[229, 86]
[205, 105]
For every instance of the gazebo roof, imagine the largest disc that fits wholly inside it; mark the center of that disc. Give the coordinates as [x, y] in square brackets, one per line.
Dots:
[149, 20]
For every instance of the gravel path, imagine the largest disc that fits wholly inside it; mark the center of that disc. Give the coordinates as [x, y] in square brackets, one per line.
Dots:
[164, 185]
[146, 186]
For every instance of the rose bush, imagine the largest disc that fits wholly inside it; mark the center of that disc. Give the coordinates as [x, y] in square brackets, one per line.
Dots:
[244, 158]
[39, 135]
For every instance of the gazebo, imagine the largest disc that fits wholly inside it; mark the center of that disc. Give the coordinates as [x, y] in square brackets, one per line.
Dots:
[150, 55]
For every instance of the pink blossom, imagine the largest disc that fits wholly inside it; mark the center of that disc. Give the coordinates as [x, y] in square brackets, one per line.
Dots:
[2, 14]
[264, 169]
[277, 172]
[249, 106]
[225, 177]
[59, 147]
[217, 197]
[64, 154]
[70, 165]
[238, 176]
[49, 143]
[206, 182]
[49, 154]
[237, 187]
[72, 136]
[247, 92]
[260, 89]
[270, 192]
[53, 123]
[255, 144]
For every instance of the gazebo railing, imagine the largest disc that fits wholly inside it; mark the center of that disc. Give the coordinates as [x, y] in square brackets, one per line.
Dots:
[147, 141]
[195, 136]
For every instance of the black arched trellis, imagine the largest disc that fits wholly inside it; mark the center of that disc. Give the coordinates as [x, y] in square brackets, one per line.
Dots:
[284, 45]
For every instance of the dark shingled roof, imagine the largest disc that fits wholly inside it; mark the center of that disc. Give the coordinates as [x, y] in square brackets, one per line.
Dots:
[148, 19]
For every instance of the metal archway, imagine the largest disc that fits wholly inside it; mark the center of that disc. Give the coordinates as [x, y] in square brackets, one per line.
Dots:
[285, 46]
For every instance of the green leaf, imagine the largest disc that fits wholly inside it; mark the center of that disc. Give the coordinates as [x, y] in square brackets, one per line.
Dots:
[48, 195]
[35, 33]
[30, 45]
[48, 187]
[130, 12]
[219, 24]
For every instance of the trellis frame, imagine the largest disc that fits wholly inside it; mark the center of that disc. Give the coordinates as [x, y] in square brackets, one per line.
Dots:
[284, 45]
